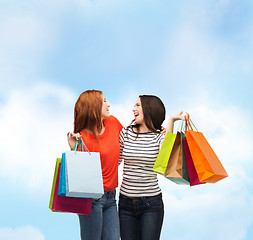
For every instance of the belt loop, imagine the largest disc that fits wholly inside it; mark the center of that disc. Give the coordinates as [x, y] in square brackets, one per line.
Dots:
[111, 194]
[114, 193]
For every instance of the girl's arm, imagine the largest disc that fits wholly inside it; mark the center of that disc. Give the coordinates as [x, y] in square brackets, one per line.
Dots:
[172, 119]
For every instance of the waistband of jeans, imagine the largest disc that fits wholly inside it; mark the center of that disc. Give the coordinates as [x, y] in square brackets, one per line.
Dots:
[148, 198]
[110, 193]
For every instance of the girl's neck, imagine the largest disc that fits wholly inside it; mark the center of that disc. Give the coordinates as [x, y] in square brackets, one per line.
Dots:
[143, 128]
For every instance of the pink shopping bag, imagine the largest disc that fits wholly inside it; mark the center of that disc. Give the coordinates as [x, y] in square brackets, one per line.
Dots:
[194, 179]
[67, 204]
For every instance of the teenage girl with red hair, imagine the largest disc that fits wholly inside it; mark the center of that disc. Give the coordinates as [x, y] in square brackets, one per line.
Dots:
[100, 133]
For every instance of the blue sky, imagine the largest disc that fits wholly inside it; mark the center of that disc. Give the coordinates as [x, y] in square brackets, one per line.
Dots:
[195, 55]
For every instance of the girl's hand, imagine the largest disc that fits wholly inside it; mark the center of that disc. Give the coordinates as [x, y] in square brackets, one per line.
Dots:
[174, 118]
[72, 138]
[163, 130]
[179, 116]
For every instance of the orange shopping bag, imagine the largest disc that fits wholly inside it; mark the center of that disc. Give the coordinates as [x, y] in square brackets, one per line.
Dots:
[207, 164]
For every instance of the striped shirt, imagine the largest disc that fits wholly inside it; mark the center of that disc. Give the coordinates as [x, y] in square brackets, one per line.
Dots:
[139, 155]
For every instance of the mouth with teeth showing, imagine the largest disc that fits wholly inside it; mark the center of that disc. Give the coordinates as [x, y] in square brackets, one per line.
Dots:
[136, 115]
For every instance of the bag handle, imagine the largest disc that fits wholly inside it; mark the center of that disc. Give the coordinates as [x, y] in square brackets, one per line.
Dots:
[190, 124]
[184, 125]
[82, 145]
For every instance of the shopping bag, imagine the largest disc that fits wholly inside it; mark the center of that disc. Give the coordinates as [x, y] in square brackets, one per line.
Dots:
[83, 174]
[164, 154]
[176, 169]
[62, 178]
[67, 204]
[207, 164]
[193, 176]
[58, 161]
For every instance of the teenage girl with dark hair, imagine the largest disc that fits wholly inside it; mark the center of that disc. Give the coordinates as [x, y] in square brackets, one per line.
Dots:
[100, 133]
[141, 208]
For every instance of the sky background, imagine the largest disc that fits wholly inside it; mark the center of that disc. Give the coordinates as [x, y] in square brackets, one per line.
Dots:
[196, 55]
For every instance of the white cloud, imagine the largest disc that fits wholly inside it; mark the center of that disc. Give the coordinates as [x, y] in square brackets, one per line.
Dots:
[33, 124]
[228, 130]
[26, 39]
[205, 212]
[21, 233]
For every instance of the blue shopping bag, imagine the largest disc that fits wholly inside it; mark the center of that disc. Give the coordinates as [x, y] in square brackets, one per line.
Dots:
[62, 178]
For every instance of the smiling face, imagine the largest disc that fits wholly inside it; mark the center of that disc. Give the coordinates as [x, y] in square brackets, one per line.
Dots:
[138, 112]
[105, 109]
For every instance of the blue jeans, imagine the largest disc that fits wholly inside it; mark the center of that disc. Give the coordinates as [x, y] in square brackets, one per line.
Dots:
[103, 223]
[141, 218]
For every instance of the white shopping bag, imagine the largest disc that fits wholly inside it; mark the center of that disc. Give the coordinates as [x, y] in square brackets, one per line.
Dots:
[83, 174]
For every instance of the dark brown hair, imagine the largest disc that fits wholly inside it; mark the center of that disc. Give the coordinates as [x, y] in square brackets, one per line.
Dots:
[88, 112]
[153, 112]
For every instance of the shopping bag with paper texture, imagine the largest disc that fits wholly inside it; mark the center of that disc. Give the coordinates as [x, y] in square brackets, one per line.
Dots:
[164, 154]
[67, 204]
[194, 179]
[207, 164]
[62, 178]
[83, 174]
[176, 169]
[58, 161]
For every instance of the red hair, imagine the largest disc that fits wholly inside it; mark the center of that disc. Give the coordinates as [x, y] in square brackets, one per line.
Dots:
[88, 112]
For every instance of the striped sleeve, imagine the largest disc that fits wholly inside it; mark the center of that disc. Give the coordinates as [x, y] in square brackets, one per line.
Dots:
[121, 142]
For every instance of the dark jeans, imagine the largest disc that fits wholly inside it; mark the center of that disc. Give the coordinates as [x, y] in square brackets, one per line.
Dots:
[141, 218]
[103, 223]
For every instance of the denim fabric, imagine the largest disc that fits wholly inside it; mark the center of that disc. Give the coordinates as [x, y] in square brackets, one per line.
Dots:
[103, 223]
[141, 218]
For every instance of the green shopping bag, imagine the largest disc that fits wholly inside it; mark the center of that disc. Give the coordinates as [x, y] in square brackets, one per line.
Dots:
[164, 154]
[58, 161]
